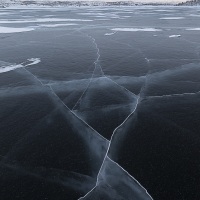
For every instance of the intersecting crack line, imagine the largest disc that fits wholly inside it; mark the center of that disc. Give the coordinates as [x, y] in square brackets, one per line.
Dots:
[96, 63]
[106, 155]
[138, 100]
[49, 86]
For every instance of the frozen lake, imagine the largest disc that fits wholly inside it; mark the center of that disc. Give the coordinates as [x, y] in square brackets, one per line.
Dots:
[100, 103]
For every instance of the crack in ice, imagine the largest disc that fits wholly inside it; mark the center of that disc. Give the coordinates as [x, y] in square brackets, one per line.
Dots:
[130, 176]
[96, 63]
[49, 86]
[138, 99]
[106, 155]
[173, 95]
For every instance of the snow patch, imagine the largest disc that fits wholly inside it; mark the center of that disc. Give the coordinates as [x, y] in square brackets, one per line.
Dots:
[10, 67]
[193, 29]
[56, 25]
[14, 30]
[107, 34]
[34, 61]
[172, 18]
[174, 36]
[194, 15]
[136, 29]
[40, 20]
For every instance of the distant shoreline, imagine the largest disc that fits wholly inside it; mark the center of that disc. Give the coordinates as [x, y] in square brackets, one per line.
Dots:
[90, 3]
[82, 3]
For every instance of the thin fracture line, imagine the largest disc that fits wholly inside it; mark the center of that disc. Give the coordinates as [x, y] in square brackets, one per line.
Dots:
[120, 86]
[139, 98]
[130, 176]
[96, 64]
[34, 76]
[106, 155]
[173, 95]
[84, 90]
[114, 134]
[64, 103]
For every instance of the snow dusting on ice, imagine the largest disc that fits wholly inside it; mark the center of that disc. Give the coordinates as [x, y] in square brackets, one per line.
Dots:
[43, 20]
[56, 25]
[107, 34]
[193, 29]
[14, 30]
[9, 67]
[136, 29]
[174, 36]
[172, 17]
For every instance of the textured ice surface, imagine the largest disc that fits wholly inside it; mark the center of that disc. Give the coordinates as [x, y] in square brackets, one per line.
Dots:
[104, 99]
[100, 117]
[115, 183]
[155, 123]
[62, 159]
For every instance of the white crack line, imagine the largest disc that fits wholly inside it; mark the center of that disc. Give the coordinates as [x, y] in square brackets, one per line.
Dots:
[173, 95]
[130, 176]
[106, 155]
[65, 104]
[138, 98]
[96, 63]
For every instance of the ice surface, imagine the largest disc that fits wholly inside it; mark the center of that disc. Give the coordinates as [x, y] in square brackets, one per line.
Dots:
[136, 29]
[70, 151]
[14, 30]
[162, 121]
[100, 112]
[4, 13]
[104, 99]
[67, 179]
[115, 183]
[184, 74]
